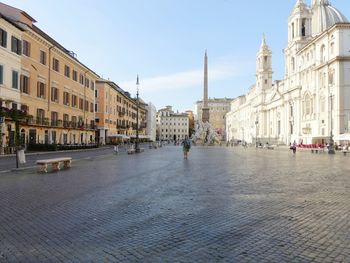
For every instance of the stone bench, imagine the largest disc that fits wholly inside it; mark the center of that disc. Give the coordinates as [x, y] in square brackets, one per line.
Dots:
[131, 151]
[55, 163]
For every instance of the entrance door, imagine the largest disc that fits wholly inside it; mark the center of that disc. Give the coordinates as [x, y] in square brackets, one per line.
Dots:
[32, 136]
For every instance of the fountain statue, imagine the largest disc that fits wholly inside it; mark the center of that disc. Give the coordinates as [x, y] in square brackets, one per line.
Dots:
[205, 134]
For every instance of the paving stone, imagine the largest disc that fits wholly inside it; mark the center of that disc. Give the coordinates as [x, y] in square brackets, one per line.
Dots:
[220, 205]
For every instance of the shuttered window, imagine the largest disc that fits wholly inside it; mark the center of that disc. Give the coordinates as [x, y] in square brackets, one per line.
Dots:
[3, 38]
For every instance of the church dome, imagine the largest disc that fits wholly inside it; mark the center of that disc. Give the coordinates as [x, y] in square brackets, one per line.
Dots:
[324, 16]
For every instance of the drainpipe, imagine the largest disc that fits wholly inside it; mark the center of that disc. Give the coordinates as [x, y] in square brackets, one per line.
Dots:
[49, 80]
[49, 88]
[84, 108]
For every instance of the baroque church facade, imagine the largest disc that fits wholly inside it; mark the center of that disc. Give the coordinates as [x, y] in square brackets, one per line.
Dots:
[312, 103]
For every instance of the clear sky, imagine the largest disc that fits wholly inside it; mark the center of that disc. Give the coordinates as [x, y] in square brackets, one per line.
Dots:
[164, 42]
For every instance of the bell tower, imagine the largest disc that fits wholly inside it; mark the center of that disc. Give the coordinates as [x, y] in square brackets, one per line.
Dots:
[264, 67]
[299, 33]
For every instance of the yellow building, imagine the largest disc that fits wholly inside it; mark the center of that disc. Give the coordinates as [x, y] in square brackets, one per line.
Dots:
[116, 113]
[56, 89]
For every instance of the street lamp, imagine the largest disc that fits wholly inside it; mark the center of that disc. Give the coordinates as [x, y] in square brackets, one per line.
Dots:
[137, 148]
[331, 141]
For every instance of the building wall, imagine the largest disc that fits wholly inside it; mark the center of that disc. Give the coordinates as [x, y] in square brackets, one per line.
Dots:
[308, 104]
[116, 113]
[151, 121]
[10, 62]
[218, 108]
[172, 126]
[74, 123]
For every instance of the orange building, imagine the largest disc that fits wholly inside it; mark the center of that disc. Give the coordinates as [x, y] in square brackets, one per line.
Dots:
[116, 113]
[56, 89]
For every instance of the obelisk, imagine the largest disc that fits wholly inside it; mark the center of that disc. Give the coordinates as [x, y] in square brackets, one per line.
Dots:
[205, 108]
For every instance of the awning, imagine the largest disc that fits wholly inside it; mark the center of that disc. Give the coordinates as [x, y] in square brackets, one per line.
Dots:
[342, 137]
[140, 136]
[121, 136]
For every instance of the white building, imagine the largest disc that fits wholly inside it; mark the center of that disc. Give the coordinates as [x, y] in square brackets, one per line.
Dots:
[313, 100]
[151, 121]
[172, 126]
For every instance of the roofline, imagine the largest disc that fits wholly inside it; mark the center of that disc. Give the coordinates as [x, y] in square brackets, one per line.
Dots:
[22, 12]
[315, 38]
[60, 47]
[11, 22]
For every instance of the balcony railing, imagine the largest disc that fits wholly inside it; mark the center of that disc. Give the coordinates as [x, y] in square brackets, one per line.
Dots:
[57, 123]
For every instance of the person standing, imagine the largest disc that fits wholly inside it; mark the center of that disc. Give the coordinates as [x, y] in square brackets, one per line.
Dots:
[294, 147]
[186, 146]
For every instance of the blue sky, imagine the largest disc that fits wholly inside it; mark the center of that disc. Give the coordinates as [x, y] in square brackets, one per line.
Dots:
[164, 42]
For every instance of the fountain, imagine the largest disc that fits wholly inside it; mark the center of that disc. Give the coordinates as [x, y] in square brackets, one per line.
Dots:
[205, 134]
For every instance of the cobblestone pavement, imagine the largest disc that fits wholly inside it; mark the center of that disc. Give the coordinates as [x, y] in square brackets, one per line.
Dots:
[221, 205]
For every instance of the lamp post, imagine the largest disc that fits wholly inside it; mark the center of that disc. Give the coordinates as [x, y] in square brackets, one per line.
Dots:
[137, 148]
[331, 141]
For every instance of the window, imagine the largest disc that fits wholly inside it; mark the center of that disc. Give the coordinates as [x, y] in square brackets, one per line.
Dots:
[43, 57]
[323, 53]
[81, 79]
[96, 93]
[65, 120]
[74, 101]
[66, 98]
[74, 121]
[25, 84]
[67, 71]
[92, 85]
[24, 108]
[87, 82]
[54, 94]
[41, 87]
[308, 105]
[14, 106]
[303, 27]
[54, 118]
[91, 107]
[16, 45]
[96, 107]
[3, 38]
[40, 114]
[75, 75]
[81, 104]
[55, 64]
[14, 79]
[332, 48]
[1, 74]
[26, 48]
[86, 106]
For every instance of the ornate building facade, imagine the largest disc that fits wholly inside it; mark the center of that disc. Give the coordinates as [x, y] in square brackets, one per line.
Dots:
[312, 102]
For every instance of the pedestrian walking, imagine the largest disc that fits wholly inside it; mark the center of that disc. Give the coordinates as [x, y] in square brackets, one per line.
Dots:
[186, 146]
[293, 147]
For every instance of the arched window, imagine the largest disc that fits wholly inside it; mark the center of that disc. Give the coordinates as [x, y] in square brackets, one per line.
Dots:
[308, 104]
[323, 53]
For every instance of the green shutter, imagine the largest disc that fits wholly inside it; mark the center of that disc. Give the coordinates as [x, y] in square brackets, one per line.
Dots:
[4, 39]
[15, 79]
[1, 74]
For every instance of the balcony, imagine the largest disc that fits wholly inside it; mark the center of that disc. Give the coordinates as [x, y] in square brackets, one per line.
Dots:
[57, 123]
